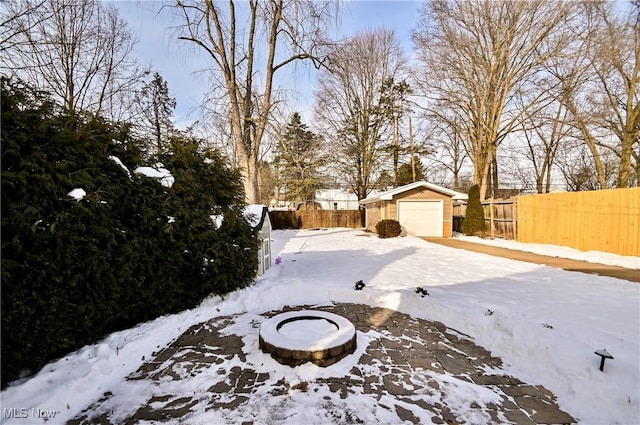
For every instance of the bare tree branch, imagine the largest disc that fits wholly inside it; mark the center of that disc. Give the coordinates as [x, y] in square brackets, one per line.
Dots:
[246, 57]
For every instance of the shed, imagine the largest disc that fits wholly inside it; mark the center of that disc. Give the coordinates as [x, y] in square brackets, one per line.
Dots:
[422, 208]
[258, 216]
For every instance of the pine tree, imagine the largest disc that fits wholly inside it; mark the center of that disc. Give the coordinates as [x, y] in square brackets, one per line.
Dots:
[474, 224]
[299, 161]
[157, 108]
[405, 173]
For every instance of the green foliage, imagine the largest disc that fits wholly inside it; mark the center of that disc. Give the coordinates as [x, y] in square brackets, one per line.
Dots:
[129, 251]
[405, 173]
[474, 224]
[157, 109]
[299, 159]
[388, 228]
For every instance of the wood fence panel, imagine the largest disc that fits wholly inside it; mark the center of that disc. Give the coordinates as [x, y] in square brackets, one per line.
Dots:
[499, 215]
[312, 219]
[602, 220]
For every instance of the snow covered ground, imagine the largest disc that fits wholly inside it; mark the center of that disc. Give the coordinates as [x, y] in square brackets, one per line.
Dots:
[559, 251]
[544, 323]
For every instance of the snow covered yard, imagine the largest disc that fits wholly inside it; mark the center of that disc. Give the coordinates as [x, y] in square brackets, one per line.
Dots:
[544, 323]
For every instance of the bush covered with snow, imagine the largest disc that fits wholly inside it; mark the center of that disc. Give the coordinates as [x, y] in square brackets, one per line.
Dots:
[128, 250]
[388, 228]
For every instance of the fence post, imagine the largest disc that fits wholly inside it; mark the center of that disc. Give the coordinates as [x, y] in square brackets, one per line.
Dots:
[514, 213]
[492, 232]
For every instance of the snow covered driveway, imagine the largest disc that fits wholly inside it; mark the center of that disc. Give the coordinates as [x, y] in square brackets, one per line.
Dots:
[544, 323]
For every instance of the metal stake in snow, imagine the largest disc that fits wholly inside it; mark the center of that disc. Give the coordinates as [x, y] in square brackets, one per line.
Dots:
[604, 354]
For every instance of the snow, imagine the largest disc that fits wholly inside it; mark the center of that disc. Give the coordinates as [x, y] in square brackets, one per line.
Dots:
[217, 219]
[253, 213]
[78, 194]
[559, 251]
[307, 335]
[544, 323]
[120, 163]
[162, 174]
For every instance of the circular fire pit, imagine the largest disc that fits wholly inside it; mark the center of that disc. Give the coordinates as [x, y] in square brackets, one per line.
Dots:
[297, 337]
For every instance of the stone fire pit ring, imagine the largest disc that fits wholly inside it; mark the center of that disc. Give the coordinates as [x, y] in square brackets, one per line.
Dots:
[297, 337]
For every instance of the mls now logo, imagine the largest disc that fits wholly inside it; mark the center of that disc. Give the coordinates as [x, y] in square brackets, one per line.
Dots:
[22, 413]
[15, 413]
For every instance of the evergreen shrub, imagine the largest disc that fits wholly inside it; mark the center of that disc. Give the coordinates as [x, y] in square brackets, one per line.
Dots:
[129, 251]
[474, 224]
[388, 228]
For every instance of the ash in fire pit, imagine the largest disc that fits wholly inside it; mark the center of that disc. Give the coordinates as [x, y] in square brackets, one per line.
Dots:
[297, 337]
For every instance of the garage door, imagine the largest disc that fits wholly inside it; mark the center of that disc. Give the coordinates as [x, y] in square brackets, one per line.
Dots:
[421, 218]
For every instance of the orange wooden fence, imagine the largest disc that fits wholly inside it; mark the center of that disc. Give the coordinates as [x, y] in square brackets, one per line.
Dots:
[600, 220]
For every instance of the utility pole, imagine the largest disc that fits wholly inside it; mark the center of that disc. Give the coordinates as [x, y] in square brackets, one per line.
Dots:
[413, 162]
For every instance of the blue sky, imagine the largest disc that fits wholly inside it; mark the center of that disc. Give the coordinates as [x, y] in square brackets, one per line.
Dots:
[179, 63]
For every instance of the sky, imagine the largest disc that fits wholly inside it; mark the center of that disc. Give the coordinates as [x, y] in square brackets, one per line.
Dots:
[179, 64]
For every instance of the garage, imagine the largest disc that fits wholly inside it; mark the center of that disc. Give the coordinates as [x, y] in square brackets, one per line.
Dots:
[422, 209]
[421, 218]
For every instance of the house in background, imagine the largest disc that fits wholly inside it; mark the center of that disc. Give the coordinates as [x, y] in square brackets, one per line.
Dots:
[258, 217]
[422, 208]
[337, 199]
[325, 199]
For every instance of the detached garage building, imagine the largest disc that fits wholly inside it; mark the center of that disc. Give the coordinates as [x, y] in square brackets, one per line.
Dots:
[423, 209]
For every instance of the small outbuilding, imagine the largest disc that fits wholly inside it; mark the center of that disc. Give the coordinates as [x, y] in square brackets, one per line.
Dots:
[258, 216]
[422, 209]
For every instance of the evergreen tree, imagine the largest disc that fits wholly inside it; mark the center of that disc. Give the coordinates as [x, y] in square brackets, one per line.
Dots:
[384, 181]
[131, 249]
[474, 224]
[157, 109]
[394, 104]
[405, 172]
[299, 160]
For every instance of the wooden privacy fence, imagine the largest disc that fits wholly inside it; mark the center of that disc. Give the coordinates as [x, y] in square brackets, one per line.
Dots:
[499, 214]
[311, 219]
[600, 220]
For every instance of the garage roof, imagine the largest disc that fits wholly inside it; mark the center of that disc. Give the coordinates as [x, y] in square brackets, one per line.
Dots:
[389, 194]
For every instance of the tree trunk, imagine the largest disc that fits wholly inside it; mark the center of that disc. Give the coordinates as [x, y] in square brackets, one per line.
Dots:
[625, 168]
[291, 32]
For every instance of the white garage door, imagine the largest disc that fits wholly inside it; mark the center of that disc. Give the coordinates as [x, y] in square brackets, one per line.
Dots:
[421, 218]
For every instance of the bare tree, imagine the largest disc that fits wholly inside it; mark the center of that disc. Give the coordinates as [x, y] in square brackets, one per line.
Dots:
[13, 22]
[597, 82]
[478, 55]
[351, 106]
[450, 152]
[573, 74]
[78, 50]
[616, 62]
[576, 166]
[248, 44]
[544, 132]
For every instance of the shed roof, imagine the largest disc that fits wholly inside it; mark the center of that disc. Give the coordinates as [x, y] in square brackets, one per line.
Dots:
[256, 214]
[389, 194]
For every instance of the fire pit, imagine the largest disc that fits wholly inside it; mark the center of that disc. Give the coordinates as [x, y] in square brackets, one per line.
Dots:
[297, 337]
